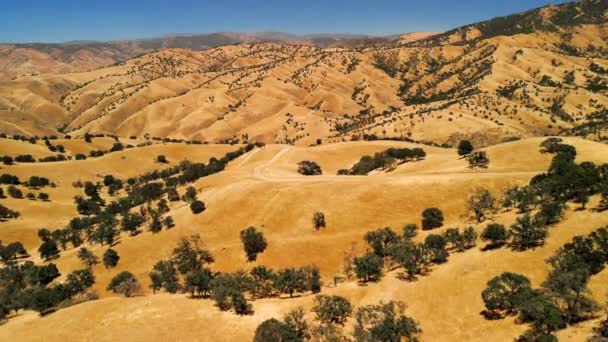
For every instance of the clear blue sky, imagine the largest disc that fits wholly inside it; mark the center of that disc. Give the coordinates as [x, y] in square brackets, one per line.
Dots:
[65, 20]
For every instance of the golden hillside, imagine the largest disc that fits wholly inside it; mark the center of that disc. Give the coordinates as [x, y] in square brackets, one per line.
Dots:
[262, 188]
[490, 88]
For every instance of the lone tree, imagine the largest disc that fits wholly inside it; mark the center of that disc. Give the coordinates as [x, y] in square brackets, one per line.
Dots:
[253, 243]
[332, 309]
[197, 207]
[124, 283]
[478, 159]
[481, 203]
[161, 159]
[496, 234]
[110, 258]
[465, 148]
[309, 168]
[318, 220]
[432, 218]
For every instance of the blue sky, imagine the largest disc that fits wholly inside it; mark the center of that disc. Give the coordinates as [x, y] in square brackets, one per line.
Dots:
[65, 20]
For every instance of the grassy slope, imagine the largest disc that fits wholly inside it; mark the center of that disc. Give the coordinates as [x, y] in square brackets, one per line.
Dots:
[264, 190]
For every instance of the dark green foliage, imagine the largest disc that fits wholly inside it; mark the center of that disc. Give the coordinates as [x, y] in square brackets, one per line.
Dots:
[385, 159]
[465, 147]
[168, 222]
[527, 232]
[189, 255]
[37, 182]
[131, 222]
[43, 196]
[6, 213]
[48, 250]
[410, 256]
[496, 234]
[240, 305]
[9, 179]
[410, 231]
[198, 282]
[12, 251]
[161, 159]
[380, 240]
[309, 168]
[124, 283]
[79, 281]
[368, 267]
[110, 258]
[155, 225]
[432, 218]
[385, 322]
[80, 156]
[262, 281]
[506, 292]
[253, 243]
[478, 159]
[7, 160]
[87, 257]
[14, 192]
[190, 194]
[436, 248]
[226, 288]
[172, 194]
[290, 280]
[197, 207]
[332, 309]
[164, 275]
[272, 330]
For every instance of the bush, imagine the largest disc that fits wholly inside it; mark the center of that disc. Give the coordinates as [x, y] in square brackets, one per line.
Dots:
[318, 220]
[14, 192]
[161, 159]
[87, 257]
[7, 160]
[332, 309]
[80, 156]
[253, 243]
[124, 283]
[110, 258]
[478, 159]
[43, 196]
[432, 218]
[309, 168]
[197, 207]
[465, 148]
[6, 213]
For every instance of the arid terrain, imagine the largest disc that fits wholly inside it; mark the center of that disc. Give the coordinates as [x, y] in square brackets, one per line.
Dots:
[228, 120]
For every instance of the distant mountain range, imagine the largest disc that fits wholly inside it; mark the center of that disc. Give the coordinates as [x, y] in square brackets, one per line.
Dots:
[34, 58]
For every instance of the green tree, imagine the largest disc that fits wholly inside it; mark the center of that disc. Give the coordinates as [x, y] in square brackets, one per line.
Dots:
[273, 330]
[110, 258]
[496, 234]
[164, 275]
[253, 243]
[48, 250]
[263, 279]
[87, 257]
[432, 218]
[124, 283]
[478, 159]
[190, 194]
[197, 207]
[385, 322]
[290, 280]
[527, 232]
[465, 147]
[332, 309]
[198, 282]
[368, 267]
[318, 220]
[309, 168]
[481, 203]
[506, 292]
[435, 245]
